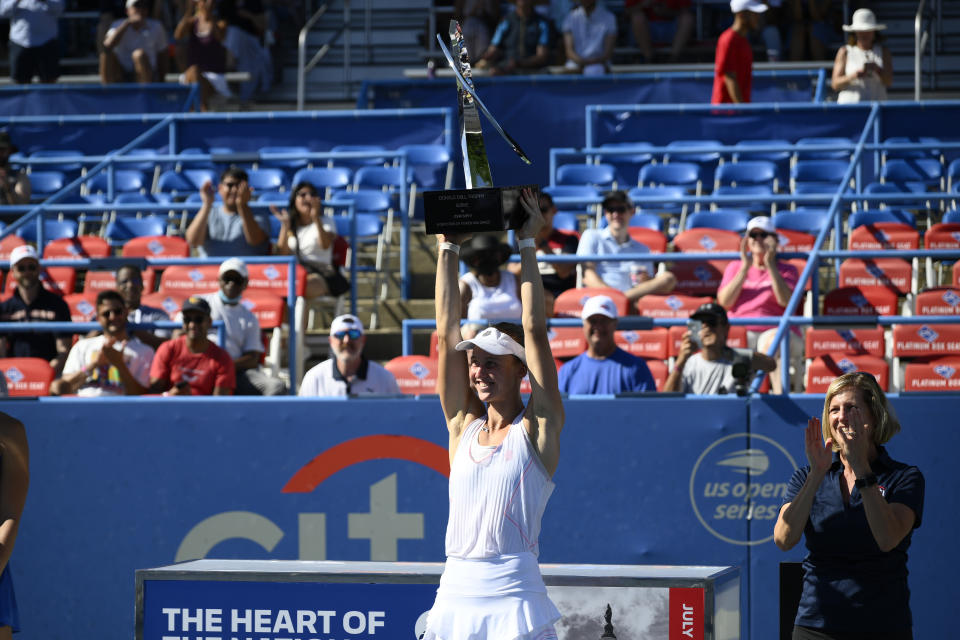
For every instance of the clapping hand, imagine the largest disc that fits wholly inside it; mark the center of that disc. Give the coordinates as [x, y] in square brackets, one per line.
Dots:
[534, 222]
[280, 214]
[819, 454]
[207, 193]
[854, 439]
[244, 193]
[770, 252]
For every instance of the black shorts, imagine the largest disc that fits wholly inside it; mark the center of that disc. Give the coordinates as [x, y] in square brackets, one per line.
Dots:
[42, 61]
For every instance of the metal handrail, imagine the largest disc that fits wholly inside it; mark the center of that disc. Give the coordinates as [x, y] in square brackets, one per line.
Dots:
[919, 42]
[303, 67]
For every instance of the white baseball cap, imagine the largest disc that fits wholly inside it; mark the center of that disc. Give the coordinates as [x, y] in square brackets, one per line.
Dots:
[747, 5]
[494, 341]
[764, 223]
[23, 252]
[234, 264]
[346, 322]
[599, 305]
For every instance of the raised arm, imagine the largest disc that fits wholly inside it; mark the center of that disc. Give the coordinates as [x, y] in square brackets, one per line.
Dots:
[794, 515]
[544, 416]
[460, 403]
[14, 480]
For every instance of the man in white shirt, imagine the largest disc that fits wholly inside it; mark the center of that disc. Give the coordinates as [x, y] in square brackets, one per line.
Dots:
[34, 46]
[134, 49]
[348, 372]
[112, 364]
[589, 34]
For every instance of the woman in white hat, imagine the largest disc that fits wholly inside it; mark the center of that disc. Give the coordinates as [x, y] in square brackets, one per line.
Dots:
[503, 455]
[863, 68]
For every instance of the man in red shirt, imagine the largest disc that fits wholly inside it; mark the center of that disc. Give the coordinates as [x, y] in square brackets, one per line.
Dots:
[733, 68]
[191, 364]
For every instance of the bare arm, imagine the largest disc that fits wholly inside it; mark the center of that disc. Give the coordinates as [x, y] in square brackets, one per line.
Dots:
[570, 50]
[839, 79]
[183, 27]
[590, 276]
[14, 481]
[733, 87]
[222, 391]
[762, 362]
[114, 36]
[249, 360]
[674, 381]
[196, 234]
[727, 294]
[252, 233]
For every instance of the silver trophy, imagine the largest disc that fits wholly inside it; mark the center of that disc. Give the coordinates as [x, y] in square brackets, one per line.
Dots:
[481, 206]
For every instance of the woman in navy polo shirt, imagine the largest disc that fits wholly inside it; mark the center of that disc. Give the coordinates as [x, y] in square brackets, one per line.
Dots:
[858, 508]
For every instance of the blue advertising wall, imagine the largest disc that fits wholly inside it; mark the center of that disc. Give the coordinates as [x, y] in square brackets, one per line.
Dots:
[122, 484]
[62, 100]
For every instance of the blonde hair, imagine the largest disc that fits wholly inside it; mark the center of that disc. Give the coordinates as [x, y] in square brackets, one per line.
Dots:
[885, 423]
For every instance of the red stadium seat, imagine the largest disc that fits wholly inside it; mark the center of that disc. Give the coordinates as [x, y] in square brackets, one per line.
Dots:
[942, 301]
[269, 308]
[189, 279]
[891, 273]
[156, 247]
[860, 301]
[570, 302]
[824, 369]
[273, 278]
[956, 274]
[795, 241]
[566, 342]
[658, 369]
[59, 280]
[96, 281]
[736, 338]
[822, 342]
[83, 306]
[702, 278]
[416, 375]
[650, 238]
[924, 340]
[649, 344]
[169, 302]
[943, 235]
[27, 376]
[79, 247]
[940, 375]
[670, 306]
[884, 235]
[8, 244]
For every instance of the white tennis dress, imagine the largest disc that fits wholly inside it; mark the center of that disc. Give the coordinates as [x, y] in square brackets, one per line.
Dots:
[491, 586]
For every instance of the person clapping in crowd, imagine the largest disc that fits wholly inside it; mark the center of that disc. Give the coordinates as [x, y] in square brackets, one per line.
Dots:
[857, 508]
[229, 228]
[111, 364]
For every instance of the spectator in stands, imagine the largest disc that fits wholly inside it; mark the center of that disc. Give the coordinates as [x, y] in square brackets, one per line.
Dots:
[135, 48]
[488, 292]
[130, 287]
[111, 364]
[761, 285]
[733, 67]
[310, 235]
[246, 28]
[633, 277]
[230, 228]
[715, 368]
[863, 68]
[857, 508]
[477, 18]
[811, 27]
[14, 183]
[347, 372]
[244, 342]
[557, 276]
[660, 21]
[521, 43]
[31, 302]
[604, 367]
[34, 46]
[589, 34]
[192, 364]
[201, 53]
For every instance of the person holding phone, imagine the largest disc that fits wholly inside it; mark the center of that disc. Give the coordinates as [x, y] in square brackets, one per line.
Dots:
[863, 68]
[759, 284]
[705, 364]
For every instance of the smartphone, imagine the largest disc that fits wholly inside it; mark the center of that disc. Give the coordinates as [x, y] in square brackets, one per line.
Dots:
[694, 326]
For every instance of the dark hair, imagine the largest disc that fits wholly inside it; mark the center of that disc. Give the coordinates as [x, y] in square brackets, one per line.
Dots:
[234, 172]
[292, 204]
[852, 38]
[129, 267]
[615, 197]
[108, 295]
[512, 329]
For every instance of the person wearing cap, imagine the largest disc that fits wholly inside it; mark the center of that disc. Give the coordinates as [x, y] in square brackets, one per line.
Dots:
[635, 278]
[14, 183]
[229, 228]
[712, 370]
[348, 372]
[503, 454]
[192, 364]
[733, 65]
[488, 292]
[863, 68]
[31, 302]
[759, 284]
[604, 368]
[243, 340]
[111, 364]
[134, 48]
[34, 45]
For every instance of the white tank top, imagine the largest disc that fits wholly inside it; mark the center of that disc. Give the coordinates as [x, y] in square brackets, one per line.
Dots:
[870, 87]
[497, 495]
[493, 303]
[309, 238]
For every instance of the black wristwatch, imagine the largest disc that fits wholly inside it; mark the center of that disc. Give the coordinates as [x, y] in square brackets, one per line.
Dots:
[866, 481]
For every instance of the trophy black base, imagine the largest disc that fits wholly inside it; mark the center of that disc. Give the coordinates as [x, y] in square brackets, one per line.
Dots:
[473, 210]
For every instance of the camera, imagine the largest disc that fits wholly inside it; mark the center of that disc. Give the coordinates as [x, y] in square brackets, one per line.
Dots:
[741, 373]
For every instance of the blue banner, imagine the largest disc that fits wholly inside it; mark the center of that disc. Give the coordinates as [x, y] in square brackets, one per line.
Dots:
[72, 100]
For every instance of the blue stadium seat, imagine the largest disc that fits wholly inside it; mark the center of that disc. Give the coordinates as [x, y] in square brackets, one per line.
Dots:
[70, 168]
[566, 221]
[198, 176]
[911, 153]
[892, 187]
[823, 155]
[267, 180]
[124, 181]
[124, 228]
[748, 172]
[183, 165]
[676, 174]
[780, 158]
[646, 220]
[602, 176]
[914, 173]
[806, 219]
[430, 165]
[707, 161]
[52, 230]
[860, 218]
[726, 219]
[291, 165]
[952, 216]
[327, 180]
[677, 194]
[627, 167]
[585, 191]
[746, 190]
[358, 162]
[823, 176]
[953, 173]
[148, 165]
[365, 201]
[44, 184]
[175, 184]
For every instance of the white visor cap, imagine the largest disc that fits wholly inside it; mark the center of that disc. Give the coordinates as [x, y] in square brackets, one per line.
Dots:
[494, 341]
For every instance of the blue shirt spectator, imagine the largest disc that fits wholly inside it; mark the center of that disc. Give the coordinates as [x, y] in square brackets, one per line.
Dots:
[229, 228]
[520, 43]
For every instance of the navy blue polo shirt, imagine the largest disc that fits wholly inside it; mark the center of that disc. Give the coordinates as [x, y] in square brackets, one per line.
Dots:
[849, 584]
[47, 307]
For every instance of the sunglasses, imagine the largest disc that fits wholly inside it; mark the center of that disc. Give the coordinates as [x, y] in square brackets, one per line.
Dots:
[618, 209]
[759, 235]
[354, 334]
[29, 266]
[230, 185]
[195, 318]
[231, 278]
[111, 313]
